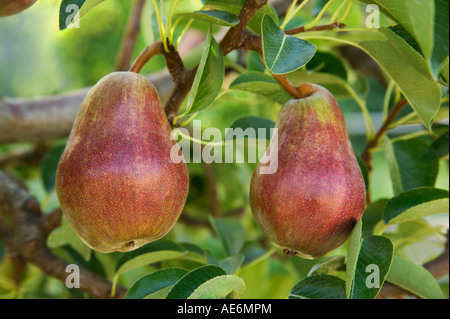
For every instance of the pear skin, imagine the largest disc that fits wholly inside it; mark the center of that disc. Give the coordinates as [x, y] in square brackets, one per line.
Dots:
[310, 206]
[116, 183]
[10, 7]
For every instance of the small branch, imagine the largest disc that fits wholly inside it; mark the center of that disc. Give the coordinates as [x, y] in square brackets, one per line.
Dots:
[233, 39]
[367, 155]
[156, 48]
[302, 29]
[26, 237]
[130, 35]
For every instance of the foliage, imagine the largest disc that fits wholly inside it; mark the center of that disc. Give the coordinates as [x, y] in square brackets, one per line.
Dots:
[226, 256]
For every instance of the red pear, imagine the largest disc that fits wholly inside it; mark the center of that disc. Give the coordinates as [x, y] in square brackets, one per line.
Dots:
[10, 7]
[116, 183]
[311, 204]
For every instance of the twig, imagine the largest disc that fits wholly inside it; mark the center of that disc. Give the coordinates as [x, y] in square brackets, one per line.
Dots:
[302, 29]
[130, 35]
[156, 48]
[184, 78]
[26, 236]
[367, 155]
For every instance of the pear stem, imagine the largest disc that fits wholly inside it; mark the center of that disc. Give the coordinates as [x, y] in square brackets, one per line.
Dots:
[156, 48]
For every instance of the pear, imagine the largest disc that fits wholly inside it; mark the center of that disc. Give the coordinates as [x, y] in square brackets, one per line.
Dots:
[311, 204]
[116, 183]
[10, 7]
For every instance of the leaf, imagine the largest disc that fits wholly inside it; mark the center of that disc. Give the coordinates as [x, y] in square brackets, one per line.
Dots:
[64, 235]
[414, 278]
[194, 279]
[394, 169]
[254, 123]
[441, 37]
[408, 48]
[415, 204]
[219, 288]
[253, 253]
[423, 94]
[417, 166]
[417, 17]
[154, 282]
[48, 167]
[261, 84]
[327, 266]
[217, 17]
[374, 260]
[352, 256]
[235, 7]
[209, 78]
[440, 147]
[150, 253]
[231, 233]
[364, 170]
[231, 264]
[71, 11]
[319, 287]
[326, 62]
[283, 53]
[372, 216]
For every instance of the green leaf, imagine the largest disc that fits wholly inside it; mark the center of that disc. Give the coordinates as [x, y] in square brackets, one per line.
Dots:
[231, 233]
[415, 204]
[154, 282]
[414, 278]
[217, 17]
[71, 11]
[48, 167]
[374, 260]
[253, 253]
[372, 216]
[255, 123]
[194, 279]
[394, 169]
[327, 266]
[326, 62]
[319, 287]
[150, 253]
[235, 7]
[423, 94]
[440, 147]
[417, 166]
[408, 48]
[283, 53]
[352, 256]
[65, 235]
[364, 170]
[231, 264]
[261, 84]
[209, 78]
[441, 37]
[219, 288]
[417, 17]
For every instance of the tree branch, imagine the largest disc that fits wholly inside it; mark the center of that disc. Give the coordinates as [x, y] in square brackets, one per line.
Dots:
[43, 119]
[27, 234]
[130, 35]
[367, 155]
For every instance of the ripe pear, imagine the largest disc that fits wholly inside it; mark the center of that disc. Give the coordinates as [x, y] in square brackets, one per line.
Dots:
[116, 183]
[311, 204]
[10, 7]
